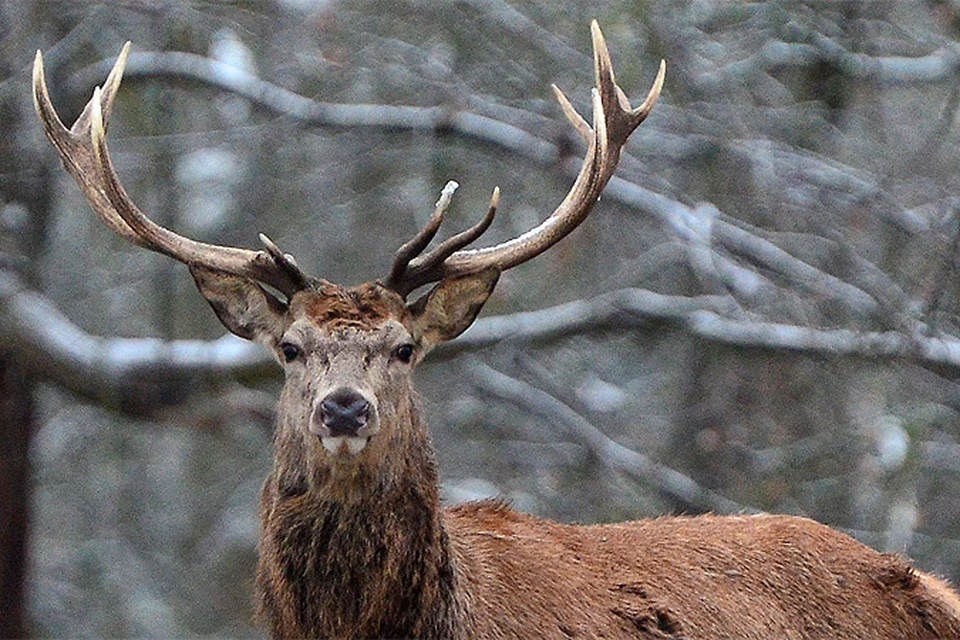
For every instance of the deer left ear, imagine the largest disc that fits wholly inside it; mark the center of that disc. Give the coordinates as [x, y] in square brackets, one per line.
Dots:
[451, 307]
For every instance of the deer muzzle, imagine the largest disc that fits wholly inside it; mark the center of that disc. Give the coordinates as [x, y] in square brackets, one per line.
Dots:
[345, 420]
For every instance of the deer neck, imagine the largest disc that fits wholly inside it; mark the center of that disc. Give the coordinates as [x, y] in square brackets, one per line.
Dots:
[357, 551]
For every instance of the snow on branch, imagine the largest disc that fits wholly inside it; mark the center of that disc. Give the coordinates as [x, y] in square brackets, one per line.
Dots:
[940, 65]
[138, 374]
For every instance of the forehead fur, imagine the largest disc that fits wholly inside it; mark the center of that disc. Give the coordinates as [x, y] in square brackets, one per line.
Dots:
[336, 308]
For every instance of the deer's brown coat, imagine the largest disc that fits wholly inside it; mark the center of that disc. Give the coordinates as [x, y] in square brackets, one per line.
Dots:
[361, 548]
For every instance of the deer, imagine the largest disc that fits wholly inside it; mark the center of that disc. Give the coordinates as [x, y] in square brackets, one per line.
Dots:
[354, 540]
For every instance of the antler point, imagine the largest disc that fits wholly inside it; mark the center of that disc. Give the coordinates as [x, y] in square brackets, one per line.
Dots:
[445, 196]
[39, 82]
[116, 74]
[97, 129]
[449, 188]
[266, 241]
[572, 114]
[599, 42]
[653, 95]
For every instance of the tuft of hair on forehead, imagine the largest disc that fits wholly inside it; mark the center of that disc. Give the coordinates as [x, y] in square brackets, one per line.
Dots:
[364, 307]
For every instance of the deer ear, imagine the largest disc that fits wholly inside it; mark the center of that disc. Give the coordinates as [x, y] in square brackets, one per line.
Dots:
[242, 305]
[451, 306]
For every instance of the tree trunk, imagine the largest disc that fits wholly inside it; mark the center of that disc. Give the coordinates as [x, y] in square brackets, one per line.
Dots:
[16, 427]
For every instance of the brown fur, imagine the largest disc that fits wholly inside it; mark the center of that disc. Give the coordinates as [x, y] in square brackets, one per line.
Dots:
[364, 307]
[704, 577]
[359, 547]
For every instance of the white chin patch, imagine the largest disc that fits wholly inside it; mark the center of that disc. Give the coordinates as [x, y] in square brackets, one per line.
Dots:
[339, 445]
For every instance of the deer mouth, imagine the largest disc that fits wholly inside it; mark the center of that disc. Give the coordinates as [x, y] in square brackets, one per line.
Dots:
[344, 445]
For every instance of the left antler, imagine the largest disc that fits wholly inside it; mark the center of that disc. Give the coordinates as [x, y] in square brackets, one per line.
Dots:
[83, 149]
[613, 122]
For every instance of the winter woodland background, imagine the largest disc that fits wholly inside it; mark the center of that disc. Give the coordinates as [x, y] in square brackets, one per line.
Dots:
[763, 312]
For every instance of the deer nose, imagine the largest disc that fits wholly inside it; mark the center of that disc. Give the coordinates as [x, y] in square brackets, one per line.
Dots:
[344, 412]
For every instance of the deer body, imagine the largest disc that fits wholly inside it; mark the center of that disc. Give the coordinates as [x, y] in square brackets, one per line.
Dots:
[482, 570]
[358, 546]
[354, 542]
[700, 577]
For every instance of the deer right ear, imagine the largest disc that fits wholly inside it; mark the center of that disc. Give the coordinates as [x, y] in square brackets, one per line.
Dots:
[242, 305]
[451, 307]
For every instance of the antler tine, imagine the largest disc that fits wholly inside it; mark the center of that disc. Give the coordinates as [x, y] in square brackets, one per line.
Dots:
[614, 120]
[415, 246]
[423, 269]
[71, 144]
[453, 244]
[83, 150]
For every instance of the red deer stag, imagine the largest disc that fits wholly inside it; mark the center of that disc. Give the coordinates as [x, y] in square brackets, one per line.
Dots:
[354, 542]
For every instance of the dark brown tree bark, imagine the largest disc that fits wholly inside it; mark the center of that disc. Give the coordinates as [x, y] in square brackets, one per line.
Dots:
[16, 426]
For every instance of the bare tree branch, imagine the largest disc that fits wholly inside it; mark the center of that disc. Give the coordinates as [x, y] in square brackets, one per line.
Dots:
[942, 353]
[282, 101]
[519, 25]
[607, 451]
[622, 309]
[116, 372]
[940, 65]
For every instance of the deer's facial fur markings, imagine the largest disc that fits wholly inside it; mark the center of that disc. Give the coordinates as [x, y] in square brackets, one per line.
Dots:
[348, 342]
[335, 308]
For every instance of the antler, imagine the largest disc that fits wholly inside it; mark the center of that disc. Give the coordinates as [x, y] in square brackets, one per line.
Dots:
[83, 150]
[613, 122]
[85, 155]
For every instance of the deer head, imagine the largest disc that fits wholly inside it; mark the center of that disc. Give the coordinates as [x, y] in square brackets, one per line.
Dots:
[347, 351]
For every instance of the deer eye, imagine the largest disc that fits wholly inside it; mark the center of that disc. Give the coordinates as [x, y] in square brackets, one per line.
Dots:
[404, 353]
[290, 351]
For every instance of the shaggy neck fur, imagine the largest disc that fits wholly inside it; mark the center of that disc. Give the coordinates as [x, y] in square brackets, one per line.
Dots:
[355, 550]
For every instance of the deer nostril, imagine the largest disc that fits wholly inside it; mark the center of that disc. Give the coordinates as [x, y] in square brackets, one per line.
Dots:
[344, 412]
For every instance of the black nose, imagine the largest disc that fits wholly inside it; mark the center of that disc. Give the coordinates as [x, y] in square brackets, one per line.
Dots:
[344, 411]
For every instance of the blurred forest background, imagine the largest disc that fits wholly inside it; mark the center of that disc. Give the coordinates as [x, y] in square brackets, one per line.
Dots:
[762, 313]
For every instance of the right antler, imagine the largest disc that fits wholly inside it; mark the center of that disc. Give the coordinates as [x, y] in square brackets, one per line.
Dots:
[83, 150]
[613, 122]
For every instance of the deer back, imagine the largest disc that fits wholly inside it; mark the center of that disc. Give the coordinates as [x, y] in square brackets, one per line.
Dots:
[751, 576]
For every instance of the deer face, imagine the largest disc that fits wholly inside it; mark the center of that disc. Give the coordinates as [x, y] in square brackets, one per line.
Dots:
[347, 355]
